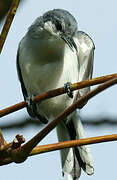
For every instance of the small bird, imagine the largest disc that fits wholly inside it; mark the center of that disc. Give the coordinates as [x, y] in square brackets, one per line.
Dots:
[54, 53]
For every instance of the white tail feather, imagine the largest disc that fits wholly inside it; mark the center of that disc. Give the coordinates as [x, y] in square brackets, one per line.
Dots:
[70, 165]
[67, 177]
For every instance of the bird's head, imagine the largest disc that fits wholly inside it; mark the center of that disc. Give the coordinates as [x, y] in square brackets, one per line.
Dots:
[58, 22]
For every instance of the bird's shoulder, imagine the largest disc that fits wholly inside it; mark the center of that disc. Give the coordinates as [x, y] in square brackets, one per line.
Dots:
[21, 43]
[18, 57]
[84, 41]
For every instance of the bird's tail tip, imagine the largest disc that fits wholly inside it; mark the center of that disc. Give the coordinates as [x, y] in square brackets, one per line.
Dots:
[89, 170]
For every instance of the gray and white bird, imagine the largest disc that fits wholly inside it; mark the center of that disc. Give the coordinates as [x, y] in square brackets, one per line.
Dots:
[53, 53]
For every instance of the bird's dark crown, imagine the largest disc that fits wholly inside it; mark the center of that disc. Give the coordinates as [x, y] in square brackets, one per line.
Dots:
[60, 17]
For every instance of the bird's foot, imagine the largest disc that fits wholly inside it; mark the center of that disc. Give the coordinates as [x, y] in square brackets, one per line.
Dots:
[29, 100]
[67, 88]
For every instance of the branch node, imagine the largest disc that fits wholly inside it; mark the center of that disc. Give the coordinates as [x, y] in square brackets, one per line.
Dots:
[19, 139]
[19, 155]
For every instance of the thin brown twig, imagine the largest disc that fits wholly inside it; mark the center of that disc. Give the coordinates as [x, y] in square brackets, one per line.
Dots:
[2, 140]
[8, 22]
[7, 159]
[73, 143]
[20, 154]
[57, 92]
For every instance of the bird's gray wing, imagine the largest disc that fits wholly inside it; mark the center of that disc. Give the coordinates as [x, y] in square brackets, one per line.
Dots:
[85, 54]
[32, 107]
[24, 91]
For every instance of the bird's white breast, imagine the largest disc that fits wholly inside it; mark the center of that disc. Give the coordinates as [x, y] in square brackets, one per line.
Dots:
[68, 68]
[51, 67]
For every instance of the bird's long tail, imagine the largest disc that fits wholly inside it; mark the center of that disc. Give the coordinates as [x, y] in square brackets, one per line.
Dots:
[73, 159]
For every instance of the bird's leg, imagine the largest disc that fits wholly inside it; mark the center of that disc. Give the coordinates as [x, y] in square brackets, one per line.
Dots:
[29, 100]
[67, 88]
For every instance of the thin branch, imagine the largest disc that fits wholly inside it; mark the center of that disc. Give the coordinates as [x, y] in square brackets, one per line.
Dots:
[21, 154]
[8, 22]
[57, 92]
[73, 143]
[2, 140]
[7, 151]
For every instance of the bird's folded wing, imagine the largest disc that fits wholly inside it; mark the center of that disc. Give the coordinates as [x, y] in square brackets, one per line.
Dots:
[85, 54]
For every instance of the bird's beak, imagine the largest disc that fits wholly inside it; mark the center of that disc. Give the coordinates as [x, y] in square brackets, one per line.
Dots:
[69, 41]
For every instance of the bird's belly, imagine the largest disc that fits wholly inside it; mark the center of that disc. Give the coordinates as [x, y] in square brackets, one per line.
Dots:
[69, 73]
[46, 72]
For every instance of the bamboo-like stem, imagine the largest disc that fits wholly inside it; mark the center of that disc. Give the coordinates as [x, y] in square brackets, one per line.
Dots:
[8, 22]
[57, 92]
[27, 148]
[73, 143]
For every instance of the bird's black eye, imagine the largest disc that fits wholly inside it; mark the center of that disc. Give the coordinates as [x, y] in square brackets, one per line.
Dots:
[59, 26]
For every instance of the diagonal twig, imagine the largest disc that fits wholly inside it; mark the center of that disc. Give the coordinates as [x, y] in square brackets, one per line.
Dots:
[57, 92]
[8, 22]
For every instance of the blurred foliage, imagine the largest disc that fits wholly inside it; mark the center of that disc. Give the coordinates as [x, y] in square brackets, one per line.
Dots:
[4, 7]
[94, 122]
